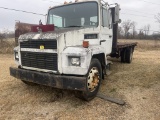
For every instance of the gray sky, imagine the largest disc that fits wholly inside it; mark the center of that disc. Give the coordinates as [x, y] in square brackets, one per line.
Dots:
[7, 17]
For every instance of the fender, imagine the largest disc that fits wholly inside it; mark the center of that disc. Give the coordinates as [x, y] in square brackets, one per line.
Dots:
[85, 55]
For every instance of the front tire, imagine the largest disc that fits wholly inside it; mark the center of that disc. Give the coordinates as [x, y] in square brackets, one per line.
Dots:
[93, 81]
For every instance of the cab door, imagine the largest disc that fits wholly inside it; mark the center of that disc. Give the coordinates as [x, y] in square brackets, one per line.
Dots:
[106, 30]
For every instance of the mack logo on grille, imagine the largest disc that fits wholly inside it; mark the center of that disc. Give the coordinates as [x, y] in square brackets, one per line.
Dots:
[42, 47]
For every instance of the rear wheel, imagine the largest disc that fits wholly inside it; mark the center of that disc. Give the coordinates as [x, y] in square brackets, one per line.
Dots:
[93, 81]
[123, 56]
[129, 55]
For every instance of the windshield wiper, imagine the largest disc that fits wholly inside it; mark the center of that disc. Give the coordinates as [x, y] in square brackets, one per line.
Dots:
[74, 26]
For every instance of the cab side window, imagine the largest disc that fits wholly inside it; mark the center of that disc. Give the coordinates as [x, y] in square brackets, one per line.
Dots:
[105, 21]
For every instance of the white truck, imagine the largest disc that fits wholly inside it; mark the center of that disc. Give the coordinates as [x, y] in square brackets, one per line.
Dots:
[71, 50]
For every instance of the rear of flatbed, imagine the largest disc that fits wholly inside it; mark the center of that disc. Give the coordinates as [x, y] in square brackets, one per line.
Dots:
[124, 51]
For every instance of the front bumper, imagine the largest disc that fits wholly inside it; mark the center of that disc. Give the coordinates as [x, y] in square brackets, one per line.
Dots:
[47, 79]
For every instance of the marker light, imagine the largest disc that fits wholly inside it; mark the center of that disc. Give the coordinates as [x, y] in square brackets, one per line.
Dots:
[85, 44]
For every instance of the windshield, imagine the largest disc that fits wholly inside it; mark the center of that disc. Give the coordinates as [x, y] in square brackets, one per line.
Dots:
[74, 15]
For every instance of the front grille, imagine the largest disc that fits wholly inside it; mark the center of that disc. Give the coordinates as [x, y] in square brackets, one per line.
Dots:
[48, 44]
[40, 60]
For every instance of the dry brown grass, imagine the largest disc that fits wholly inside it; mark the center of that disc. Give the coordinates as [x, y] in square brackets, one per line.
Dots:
[144, 44]
[7, 46]
[137, 83]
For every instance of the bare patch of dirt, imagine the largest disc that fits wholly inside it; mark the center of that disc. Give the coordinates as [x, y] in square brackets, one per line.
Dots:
[137, 83]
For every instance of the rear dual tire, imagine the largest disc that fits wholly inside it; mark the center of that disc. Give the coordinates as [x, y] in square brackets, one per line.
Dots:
[129, 55]
[123, 56]
[126, 55]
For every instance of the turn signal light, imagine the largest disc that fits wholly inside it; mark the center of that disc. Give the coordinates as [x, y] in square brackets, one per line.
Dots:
[85, 44]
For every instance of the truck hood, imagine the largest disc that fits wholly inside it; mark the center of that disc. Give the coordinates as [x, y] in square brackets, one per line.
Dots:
[47, 35]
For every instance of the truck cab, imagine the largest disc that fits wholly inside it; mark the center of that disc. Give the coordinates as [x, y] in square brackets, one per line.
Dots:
[70, 51]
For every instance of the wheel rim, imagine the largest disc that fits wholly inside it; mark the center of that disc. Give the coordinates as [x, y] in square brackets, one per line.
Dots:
[93, 79]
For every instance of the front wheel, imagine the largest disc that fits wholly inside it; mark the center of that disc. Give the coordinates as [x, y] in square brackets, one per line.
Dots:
[93, 80]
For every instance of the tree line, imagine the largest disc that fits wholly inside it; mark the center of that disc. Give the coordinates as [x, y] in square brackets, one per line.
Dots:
[127, 30]
[6, 34]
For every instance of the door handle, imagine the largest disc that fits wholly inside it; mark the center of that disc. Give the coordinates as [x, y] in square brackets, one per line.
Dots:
[102, 41]
[110, 36]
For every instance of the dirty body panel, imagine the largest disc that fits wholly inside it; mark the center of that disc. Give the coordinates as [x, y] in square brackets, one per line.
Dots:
[59, 46]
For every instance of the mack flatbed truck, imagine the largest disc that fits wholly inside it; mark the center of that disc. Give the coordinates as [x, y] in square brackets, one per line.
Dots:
[71, 50]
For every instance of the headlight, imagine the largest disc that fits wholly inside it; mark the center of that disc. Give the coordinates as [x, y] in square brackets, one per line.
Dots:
[75, 61]
[16, 56]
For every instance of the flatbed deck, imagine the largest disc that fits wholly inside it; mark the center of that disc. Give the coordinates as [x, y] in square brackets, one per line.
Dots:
[121, 45]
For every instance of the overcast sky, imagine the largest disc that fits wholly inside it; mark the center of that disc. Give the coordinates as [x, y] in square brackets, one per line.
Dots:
[130, 9]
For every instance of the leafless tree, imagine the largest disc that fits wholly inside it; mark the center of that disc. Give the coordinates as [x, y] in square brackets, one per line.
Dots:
[127, 25]
[141, 34]
[120, 32]
[2, 37]
[146, 29]
[134, 29]
[157, 17]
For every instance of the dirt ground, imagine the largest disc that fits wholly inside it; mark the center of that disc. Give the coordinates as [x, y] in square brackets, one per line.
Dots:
[138, 84]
